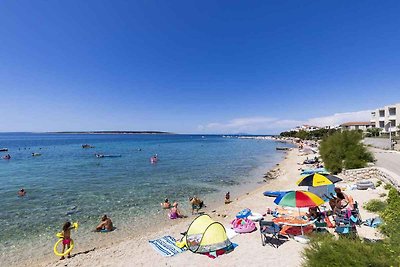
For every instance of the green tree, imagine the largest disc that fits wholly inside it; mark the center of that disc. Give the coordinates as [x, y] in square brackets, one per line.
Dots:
[344, 150]
[374, 131]
[303, 135]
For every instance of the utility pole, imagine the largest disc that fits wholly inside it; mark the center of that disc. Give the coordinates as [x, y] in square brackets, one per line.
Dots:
[389, 124]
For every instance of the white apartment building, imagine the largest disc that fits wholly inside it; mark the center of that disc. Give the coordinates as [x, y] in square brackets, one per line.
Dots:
[387, 118]
[307, 128]
[357, 125]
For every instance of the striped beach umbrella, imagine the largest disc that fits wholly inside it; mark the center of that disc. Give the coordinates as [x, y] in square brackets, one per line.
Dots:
[299, 199]
[318, 179]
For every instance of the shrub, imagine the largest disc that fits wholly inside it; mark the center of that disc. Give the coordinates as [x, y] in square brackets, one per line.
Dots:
[378, 183]
[328, 251]
[382, 195]
[344, 150]
[387, 186]
[375, 205]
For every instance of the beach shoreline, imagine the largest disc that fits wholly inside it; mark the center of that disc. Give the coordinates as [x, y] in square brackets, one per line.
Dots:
[213, 201]
[222, 212]
[136, 251]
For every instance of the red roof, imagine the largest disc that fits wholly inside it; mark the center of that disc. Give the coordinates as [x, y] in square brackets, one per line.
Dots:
[357, 123]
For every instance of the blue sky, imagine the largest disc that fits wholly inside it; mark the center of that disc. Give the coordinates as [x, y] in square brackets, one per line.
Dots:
[194, 66]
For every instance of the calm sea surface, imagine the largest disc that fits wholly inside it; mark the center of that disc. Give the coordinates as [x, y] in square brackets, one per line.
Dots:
[68, 182]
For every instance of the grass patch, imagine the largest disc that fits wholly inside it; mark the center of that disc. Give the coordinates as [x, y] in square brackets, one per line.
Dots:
[375, 205]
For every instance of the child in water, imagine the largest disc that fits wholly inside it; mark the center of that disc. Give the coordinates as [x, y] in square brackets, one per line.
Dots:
[66, 237]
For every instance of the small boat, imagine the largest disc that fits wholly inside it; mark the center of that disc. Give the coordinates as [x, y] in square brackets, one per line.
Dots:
[87, 146]
[4, 149]
[7, 157]
[36, 154]
[107, 156]
[282, 148]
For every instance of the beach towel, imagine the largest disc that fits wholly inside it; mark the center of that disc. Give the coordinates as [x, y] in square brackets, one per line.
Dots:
[230, 232]
[166, 246]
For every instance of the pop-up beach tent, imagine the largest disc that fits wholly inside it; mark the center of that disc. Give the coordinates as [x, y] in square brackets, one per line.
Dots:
[204, 235]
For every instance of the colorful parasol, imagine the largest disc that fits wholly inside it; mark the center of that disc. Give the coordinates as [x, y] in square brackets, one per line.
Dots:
[299, 199]
[318, 179]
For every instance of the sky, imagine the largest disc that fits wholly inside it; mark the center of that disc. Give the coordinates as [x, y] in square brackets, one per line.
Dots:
[195, 66]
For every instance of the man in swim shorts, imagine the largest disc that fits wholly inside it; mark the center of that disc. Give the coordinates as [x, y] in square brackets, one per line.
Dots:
[105, 225]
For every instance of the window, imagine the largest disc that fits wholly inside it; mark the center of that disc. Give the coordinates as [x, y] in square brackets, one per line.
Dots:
[381, 113]
[381, 124]
[392, 111]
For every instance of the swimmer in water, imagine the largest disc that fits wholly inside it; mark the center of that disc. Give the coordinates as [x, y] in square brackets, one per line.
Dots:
[21, 192]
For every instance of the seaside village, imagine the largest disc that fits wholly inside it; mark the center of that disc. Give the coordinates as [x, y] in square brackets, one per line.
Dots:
[322, 200]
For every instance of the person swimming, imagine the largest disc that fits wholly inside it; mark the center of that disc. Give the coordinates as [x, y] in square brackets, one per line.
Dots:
[22, 192]
[105, 224]
[166, 204]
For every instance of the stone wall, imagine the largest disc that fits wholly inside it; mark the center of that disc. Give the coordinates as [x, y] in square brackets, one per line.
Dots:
[382, 174]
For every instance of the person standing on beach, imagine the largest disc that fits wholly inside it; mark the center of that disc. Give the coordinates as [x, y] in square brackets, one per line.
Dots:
[196, 203]
[66, 233]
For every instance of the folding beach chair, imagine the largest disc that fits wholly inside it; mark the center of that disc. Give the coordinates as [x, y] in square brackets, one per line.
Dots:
[270, 233]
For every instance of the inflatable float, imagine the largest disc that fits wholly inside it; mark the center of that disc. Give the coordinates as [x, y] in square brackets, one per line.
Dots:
[243, 213]
[312, 171]
[274, 193]
[61, 238]
[365, 184]
[243, 225]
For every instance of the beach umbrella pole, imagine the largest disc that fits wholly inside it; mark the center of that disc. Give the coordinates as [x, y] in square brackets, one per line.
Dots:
[301, 226]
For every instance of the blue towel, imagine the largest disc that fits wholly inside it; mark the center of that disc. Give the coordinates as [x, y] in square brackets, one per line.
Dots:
[166, 246]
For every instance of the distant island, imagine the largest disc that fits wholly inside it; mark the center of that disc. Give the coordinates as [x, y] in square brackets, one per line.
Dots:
[113, 132]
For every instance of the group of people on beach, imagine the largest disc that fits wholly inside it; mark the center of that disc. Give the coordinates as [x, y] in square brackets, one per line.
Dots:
[195, 203]
[174, 213]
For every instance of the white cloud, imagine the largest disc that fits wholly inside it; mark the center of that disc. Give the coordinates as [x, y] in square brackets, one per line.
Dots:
[275, 125]
[339, 118]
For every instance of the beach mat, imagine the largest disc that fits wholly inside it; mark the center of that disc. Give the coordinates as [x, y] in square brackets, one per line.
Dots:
[166, 246]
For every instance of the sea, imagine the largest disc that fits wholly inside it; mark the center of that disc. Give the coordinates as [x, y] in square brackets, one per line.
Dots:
[68, 182]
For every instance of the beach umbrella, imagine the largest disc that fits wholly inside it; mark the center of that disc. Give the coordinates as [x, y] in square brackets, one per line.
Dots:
[299, 199]
[318, 179]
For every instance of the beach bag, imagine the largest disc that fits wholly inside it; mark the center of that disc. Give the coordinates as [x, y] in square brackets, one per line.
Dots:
[243, 225]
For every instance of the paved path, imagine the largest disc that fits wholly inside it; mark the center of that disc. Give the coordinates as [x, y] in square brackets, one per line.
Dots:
[390, 160]
[387, 159]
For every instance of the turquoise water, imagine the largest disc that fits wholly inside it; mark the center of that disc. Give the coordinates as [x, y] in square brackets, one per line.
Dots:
[68, 182]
